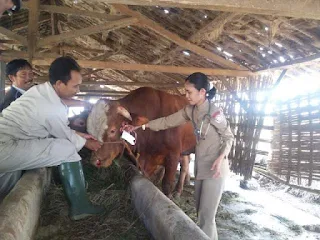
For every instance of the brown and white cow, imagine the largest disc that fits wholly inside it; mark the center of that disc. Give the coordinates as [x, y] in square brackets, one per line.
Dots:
[155, 148]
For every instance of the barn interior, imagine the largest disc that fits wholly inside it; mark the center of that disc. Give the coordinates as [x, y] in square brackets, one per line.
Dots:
[262, 56]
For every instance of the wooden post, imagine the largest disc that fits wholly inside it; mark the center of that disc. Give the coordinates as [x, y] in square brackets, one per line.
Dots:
[2, 80]
[299, 143]
[289, 143]
[311, 144]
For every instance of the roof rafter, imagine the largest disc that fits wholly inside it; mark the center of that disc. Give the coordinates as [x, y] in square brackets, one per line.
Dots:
[14, 36]
[288, 8]
[143, 67]
[87, 31]
[176, 39]
[73, 11]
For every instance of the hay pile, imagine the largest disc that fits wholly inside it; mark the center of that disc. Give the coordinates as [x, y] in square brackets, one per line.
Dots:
[105, 187]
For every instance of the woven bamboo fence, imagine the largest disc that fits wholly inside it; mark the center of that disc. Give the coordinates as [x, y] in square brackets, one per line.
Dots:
[296, 140]
[238, 97]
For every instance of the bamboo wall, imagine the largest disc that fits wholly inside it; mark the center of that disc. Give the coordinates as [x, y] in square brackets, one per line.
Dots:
[296, 142]
[238, 97]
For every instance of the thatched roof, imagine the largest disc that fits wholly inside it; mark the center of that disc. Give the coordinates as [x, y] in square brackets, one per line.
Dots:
[237, 39]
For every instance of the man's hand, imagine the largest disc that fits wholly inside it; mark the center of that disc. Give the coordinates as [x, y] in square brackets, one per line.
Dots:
[86, 136]
[93, 145]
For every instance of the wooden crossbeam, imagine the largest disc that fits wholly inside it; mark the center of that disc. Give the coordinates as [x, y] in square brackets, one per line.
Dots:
[33, 27]
[14, 36]
[21, 54]
[97, 93]
[117, 83]
[87, 31]
[142, 67]
[73, 11]
[295, 63]
[288, 8]
[212, 31]
[176, 39]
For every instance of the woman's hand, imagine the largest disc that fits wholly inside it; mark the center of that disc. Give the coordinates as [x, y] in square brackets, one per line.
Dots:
[130, 128]
[216, 166]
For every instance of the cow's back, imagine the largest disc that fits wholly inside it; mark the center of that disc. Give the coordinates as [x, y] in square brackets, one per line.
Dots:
[153, 103]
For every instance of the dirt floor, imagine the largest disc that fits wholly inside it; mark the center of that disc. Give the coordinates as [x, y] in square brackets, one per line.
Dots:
[273, 212]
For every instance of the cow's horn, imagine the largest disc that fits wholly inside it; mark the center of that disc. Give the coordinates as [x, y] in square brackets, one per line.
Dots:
[124, 112]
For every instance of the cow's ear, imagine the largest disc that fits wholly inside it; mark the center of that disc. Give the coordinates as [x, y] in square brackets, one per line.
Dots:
[138, 120]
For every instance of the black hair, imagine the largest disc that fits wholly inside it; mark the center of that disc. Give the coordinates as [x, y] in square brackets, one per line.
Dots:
[16, 65]
[60, 69]
[200, 80]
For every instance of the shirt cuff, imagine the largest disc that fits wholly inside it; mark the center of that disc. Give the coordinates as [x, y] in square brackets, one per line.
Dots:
[80, 142]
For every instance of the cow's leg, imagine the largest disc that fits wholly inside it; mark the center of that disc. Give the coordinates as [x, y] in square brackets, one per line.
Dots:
[184, 172]
[171, 165]
[157, 177]
[186, 164]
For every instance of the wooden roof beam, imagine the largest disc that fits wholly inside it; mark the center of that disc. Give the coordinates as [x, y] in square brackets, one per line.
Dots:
[14, 36]
[287, 8]
[176, 39]
[74, 11]
[143, 67]
[117, 83]
[210, 32]
[295, 63]
[87, 31]
[33, 27]
[213, 30]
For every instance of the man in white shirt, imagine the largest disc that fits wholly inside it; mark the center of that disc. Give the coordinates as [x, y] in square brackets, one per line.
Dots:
[34, 133]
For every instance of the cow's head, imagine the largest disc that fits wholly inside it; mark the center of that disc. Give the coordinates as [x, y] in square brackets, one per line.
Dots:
[105, 123]
[79, 122]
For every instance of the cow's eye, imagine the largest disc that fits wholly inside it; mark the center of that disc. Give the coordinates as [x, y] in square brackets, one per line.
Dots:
[113, 131]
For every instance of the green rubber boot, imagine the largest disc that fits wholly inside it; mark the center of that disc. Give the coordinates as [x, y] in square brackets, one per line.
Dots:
[73, 182]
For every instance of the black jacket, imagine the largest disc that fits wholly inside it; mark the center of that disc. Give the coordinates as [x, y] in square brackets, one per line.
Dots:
[11, 96]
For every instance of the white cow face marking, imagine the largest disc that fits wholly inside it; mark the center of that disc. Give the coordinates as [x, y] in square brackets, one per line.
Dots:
[97, 122]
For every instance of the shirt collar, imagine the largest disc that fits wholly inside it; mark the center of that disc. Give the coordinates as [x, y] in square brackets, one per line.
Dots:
[204, 106]
[19, 89]
[54, 94]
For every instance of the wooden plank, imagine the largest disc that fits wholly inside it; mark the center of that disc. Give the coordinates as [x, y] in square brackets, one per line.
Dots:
[11, 54]
[87, 31]
[294, 64]
[117, 83]
[74, 11]
[276, 178]
[176, 39]
[311, 147]
[14, 36]
[212, 31]
[143, 67]
[288, 8]
[290, 145]
[33, 27]
[2, 80]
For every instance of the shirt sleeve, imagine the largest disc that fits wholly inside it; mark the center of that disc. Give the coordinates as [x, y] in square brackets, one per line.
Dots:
[170, 121]
[219, 121]
[58, 127]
